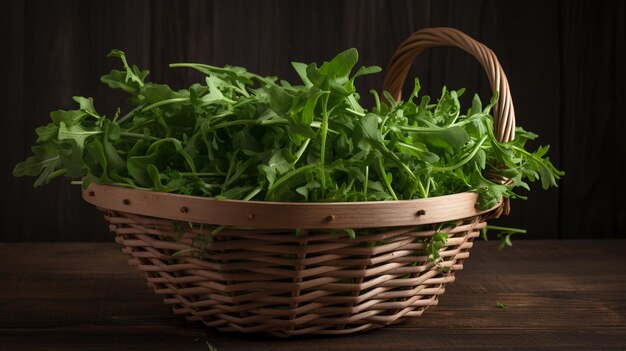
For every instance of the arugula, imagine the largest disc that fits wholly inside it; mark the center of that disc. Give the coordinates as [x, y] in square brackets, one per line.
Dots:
[502, 305]
[504, 234]
[238, 135]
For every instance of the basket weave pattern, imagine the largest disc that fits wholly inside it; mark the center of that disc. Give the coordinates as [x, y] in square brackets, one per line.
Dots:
[318, 282]
[292, 268]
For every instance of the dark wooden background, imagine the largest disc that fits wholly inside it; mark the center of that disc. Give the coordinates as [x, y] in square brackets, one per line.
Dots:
[565, 61]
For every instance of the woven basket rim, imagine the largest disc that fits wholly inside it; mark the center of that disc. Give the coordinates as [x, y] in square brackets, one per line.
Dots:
[284, 215]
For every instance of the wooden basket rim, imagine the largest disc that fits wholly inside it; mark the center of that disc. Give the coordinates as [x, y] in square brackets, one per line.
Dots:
[284, 215]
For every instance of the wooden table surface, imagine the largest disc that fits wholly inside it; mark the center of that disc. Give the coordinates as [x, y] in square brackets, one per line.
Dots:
[562, 295]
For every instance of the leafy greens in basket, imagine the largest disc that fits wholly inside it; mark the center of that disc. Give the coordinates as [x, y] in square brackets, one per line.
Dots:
[237, 135]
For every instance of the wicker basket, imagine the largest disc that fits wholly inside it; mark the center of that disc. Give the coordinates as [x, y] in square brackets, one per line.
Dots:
[291, 268]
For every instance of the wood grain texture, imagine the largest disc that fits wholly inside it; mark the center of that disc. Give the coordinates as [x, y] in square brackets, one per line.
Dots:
[85, 296]
[564, 61]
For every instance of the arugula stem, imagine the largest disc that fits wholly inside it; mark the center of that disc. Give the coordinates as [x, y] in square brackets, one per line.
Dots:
[200, 174]
[139, 136]
[248, 122]
[324, 131]
[386, 181]
[164, 102]
[324, 128]
[221, 70]
[424, 129]
[218, 229]
[382, 125]
[318, 124]
[539, 159]
[506, 229]
[365, 183]
[57, 173]
[231, 167]
[253, 193]
[217, 69]
[288, 176]
[402, 165]
[301, 150]
[129, 114]
[422, 190]
[355, 112]
[377, 99]
[412, 147]
[463, 161]
[143, 124]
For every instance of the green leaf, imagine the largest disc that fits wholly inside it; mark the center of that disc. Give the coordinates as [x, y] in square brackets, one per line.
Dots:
[48, 132]
[117, 80]
[45, 161]
[280, 100]
[279, 162]
[366, 133]
[477, 106]
[154, 93]
[306, 189]
[443, 138]
[76, 133]
[155, 176]
[417, 87]
[97, 161]
[481, 159]
[237, 192]
[138, 168]
[309, 108]
[72, 159]
[86, 106]
[69, 118]
[111, 136]
[436, 242]
[418, 150]
[158, 145]
[301, 68]
[132, 74]
[363, 71]
[341, 65]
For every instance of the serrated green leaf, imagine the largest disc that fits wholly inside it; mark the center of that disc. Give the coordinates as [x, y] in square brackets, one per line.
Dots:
[44, 161]
[48, 132]
[76, 133]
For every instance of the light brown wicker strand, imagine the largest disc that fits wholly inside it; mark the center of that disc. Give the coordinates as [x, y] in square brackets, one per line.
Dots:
[369, 309]
[300, 265]
[404, 56]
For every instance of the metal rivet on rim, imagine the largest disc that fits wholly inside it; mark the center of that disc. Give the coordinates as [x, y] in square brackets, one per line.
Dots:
[250, 216]
[330, 218]
[420, 213]
[126, 202]
[184, 209]
[92, 194]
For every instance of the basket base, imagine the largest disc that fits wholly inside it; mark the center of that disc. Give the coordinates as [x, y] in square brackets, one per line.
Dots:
[285, 284]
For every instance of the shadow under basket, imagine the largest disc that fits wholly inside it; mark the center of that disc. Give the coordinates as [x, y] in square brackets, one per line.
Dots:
[306, 268]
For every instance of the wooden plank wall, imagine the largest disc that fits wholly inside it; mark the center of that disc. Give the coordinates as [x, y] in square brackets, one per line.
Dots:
[565, 61]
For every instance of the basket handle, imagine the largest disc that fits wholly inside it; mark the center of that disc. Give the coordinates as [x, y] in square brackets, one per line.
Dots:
[400, 63]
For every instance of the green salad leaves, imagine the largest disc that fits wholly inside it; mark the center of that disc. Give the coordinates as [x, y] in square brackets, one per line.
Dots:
[237, 135]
